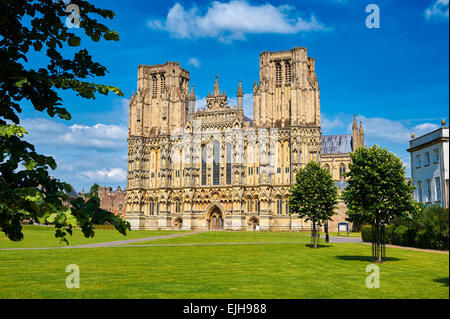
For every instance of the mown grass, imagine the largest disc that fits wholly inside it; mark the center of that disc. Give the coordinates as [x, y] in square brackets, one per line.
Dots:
[232, 237]
[42, 236]
[221, 271]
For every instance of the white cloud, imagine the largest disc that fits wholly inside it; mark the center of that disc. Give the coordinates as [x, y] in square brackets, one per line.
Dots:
[233, 20]
[194, 62]
[331, 124]
[438, 11]
[107, 175]
[98, 136]
[84, 154]
[390, 130]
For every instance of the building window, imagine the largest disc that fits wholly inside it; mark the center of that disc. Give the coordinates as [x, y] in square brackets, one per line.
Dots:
[177, 206]
[152, 207]
[418, 161]
[436, 156]
[278, 73]
[204, 165]
[288, 72]
[249, 205]
[437, 182]
[342, 172]
[287, 207]
[419, 191]
[163, 84]
[279, 207]
[428, 199]
[216, 163]
[155, 86]
[427, 158]
[279, 170]
[228, 164]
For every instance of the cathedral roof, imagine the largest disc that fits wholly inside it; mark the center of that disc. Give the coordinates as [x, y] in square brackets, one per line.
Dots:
[247, 119]
[336, 144]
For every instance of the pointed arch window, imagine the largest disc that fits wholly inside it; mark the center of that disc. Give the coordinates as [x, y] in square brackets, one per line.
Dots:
[228, 164]
[342, 172]
[154, 86]
[203, 164]
[287, 74]
[216, 163]
[278, 73]
[163, 83]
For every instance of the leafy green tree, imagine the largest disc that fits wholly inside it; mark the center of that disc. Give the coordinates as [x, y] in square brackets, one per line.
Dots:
[38, 28]
[313, 196]
[93, 191]
[377, 191]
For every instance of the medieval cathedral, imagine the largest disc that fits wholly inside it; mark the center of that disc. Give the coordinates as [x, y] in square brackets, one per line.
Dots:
[213, 168]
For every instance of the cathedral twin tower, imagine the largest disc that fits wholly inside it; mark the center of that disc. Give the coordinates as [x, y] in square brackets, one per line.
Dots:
[213, 168]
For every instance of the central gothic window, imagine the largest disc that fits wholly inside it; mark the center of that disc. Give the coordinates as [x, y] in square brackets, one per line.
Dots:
[216, 163]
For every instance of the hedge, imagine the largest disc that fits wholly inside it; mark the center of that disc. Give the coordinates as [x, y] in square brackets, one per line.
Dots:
[366, 233]
[428, 228]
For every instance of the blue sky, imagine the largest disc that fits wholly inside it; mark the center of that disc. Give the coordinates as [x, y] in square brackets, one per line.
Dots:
[394, 78]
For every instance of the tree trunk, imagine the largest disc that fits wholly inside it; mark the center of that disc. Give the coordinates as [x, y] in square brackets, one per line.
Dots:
[314, 234]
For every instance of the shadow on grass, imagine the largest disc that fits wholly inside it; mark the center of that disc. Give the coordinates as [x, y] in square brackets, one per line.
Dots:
[443, 280]
[318, 246]
[366, 258]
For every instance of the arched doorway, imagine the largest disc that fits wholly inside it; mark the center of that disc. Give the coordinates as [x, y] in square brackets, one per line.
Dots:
[253, 224]
[214, 219]
[178, 224]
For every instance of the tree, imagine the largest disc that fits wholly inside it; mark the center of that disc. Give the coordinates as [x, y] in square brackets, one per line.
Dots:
[313, 196]
[37, 28]
[377, 192]
[93, 191]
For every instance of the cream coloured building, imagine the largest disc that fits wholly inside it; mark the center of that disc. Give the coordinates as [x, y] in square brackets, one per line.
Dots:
[212, 168]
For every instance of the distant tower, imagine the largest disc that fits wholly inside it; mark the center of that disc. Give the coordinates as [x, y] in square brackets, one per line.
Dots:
[192, 100]
[361, 134]
[355, 133]
[240, 95]
[216, 87]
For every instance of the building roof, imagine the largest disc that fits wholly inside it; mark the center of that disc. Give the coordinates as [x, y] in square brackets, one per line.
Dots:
[440, 134]
[336, 144]
[73, 193]
[247, 119]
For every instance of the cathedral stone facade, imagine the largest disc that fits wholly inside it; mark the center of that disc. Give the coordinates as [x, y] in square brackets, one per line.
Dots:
[212, 168]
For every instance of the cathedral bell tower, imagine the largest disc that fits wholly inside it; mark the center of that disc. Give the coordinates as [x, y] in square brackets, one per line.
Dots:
[161, 103]
[288, 93]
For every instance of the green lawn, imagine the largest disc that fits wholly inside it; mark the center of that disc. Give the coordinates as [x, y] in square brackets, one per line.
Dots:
[223, 271]
[232, 237]
[42, 236]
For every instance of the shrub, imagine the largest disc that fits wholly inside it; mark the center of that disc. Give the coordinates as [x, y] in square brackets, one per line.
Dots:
[403, 236]
[433, 228]
[366, 233]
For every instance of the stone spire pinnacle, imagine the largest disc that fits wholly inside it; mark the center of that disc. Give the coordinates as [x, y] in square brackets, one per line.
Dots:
[361, 134]
[355, 125]
[240, 92]
[216, 86]
[192, 95]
